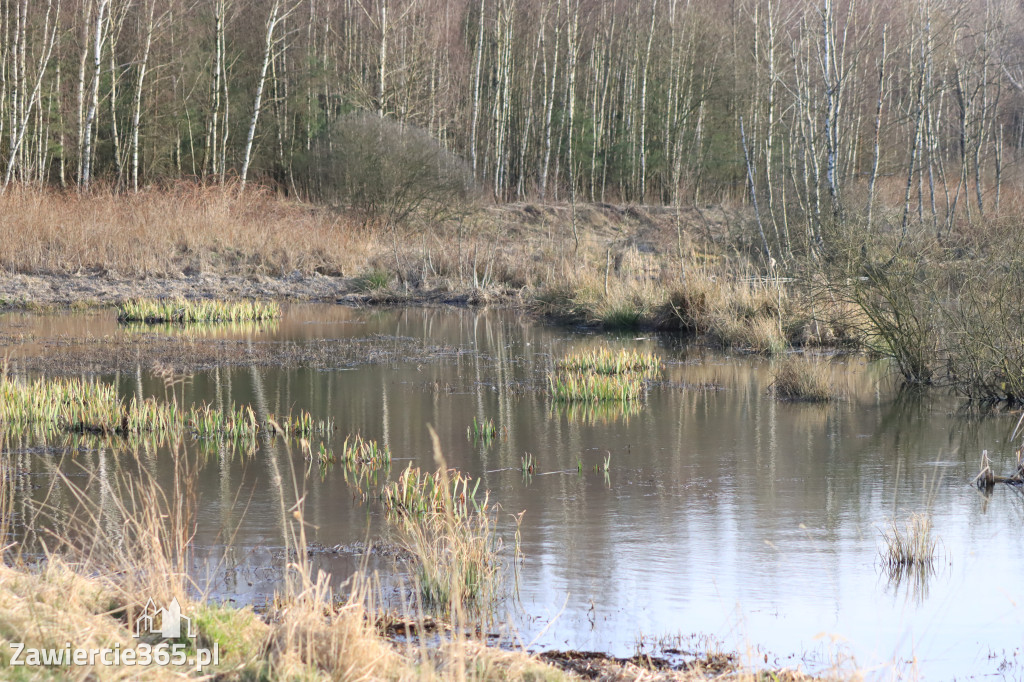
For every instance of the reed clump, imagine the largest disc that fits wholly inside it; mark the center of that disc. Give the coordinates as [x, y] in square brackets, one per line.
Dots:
[913, 546]
[606, 361]
[358, 451]
[455, 557]
[183, 311]
[602, 376]
[801, 380]
[417, 492]
[580, 387]
[483, 431]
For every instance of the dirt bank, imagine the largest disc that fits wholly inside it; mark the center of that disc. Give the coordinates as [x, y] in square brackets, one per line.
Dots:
[19, 292]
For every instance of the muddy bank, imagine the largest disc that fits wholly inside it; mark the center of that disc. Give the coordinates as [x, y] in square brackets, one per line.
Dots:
[20, 291]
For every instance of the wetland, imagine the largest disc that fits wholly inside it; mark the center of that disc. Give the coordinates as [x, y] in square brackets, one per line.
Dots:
[703, 514]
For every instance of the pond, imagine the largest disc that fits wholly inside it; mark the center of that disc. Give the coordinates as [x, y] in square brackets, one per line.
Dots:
[724, 512]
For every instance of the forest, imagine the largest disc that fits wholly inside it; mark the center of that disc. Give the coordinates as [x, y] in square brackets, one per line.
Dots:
[903, 111]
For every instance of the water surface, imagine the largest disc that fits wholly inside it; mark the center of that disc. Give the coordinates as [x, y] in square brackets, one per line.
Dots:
[725, 512]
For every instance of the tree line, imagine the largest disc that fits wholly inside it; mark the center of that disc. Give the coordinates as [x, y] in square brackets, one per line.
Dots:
[812, 110]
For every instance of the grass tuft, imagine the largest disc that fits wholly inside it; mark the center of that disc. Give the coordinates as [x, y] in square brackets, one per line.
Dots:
[802, 380]
[602, 376]
[909, 547]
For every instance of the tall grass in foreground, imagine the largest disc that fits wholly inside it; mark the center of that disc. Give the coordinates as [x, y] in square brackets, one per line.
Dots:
[182, 311]
[454, 545]
[104, 561]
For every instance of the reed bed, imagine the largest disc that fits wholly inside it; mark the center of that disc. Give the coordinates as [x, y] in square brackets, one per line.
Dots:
[78, 406]
[601, 376]
[606, 361]
[182, 311]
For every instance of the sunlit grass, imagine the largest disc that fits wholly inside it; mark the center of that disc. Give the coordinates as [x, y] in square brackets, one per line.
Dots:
[184, 311]
[79, 406]
[577, 387]
[606, 361]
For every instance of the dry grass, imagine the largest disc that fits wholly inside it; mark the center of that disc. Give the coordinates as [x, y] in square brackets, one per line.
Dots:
[803, 380]
[629, 269]
[183, 229]
[911, 547]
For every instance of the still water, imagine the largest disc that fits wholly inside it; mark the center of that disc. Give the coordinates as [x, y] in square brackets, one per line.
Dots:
[725, 512]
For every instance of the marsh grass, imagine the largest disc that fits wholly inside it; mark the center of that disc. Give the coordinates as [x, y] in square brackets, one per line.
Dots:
[359, 451]
[606, 361]
[75, 405]
[373, 280]
[183, 311]
[802, 380]
[483, 431]
[594, 388]
[454, 545]
[910, 547]
[416, 492]
[600, 375]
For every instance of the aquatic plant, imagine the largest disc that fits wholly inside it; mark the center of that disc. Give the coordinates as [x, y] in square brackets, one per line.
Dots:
[303, 424]
[418, 492]
[358, 451]
[528, 464]
[483, 431]
[184, 311]
[802, 380]
[578, 387]
[909, 547]
[78, 405]
[605, 361]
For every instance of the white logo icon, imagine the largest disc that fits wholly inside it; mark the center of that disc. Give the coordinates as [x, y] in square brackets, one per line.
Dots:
[170, 620]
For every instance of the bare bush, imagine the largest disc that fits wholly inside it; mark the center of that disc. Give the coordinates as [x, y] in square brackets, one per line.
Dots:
[386, 171]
